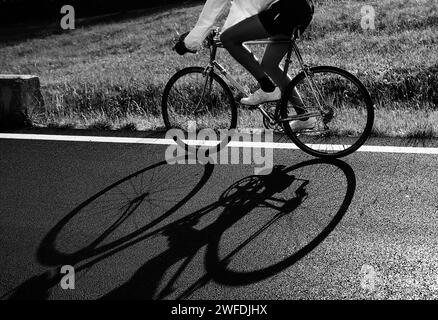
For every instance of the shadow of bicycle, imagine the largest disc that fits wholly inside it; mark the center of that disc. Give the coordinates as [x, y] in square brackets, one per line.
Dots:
[258, 227]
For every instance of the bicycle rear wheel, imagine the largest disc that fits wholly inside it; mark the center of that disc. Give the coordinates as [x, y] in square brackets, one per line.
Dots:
[195, 100]
[339, 107]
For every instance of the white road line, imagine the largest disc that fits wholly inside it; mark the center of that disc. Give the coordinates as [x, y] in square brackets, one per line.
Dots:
[236, 144]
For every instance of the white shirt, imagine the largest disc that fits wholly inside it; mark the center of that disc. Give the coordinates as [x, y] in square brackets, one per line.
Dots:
[240, 10]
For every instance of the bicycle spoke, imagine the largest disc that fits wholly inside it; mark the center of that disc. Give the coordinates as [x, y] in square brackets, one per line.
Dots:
[345, 108]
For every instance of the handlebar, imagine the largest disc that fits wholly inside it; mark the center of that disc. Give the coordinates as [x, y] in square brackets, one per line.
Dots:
[213, 39]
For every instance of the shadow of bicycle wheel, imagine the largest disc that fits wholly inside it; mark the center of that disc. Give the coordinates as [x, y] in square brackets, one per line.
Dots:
[124, 210]
[270, 223]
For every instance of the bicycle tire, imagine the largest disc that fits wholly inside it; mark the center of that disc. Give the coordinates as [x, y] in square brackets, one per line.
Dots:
[223, 94]
[354, 132]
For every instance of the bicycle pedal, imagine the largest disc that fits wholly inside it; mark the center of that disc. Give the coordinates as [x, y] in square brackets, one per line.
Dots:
[312, 132]
[300, 116]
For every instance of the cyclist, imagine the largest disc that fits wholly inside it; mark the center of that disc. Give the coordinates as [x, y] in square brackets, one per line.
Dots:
[251, 20]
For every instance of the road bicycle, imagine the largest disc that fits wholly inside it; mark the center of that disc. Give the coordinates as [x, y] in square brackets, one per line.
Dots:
[336, 99]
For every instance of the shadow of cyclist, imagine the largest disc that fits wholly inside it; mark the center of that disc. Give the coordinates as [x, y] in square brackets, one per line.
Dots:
[185, 240]
[282, 193]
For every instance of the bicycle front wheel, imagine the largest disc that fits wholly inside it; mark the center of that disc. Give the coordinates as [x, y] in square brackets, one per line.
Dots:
[338, 112]
[197, 101]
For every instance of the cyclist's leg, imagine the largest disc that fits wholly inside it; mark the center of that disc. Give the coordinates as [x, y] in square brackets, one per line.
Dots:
[233, 39]
[280, 23]
[272, 57]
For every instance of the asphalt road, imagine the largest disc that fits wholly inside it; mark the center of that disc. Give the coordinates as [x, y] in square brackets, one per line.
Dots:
[135, 227]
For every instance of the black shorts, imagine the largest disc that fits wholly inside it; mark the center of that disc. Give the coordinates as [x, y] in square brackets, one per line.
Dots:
[282, 18]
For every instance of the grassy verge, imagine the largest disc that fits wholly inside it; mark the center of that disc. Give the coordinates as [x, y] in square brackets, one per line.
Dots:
[111, 76]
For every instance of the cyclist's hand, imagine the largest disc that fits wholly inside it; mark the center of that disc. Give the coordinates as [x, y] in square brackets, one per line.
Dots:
[180, 46]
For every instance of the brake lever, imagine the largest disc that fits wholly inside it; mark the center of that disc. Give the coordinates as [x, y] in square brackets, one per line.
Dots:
[175, 28]
[176, 38]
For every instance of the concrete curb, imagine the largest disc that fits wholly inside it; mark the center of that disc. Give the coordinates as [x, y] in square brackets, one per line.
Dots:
[19, 95]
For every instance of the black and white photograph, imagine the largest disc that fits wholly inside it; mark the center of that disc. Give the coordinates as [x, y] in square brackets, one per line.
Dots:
[219, 157]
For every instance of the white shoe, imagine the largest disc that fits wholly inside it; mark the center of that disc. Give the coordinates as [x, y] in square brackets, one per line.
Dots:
[297, 125]
[261, 96]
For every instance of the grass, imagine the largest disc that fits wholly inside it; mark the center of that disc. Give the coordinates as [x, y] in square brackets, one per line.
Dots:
[111, 75]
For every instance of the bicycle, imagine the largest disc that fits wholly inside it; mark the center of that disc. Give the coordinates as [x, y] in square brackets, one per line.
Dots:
[339, 102]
